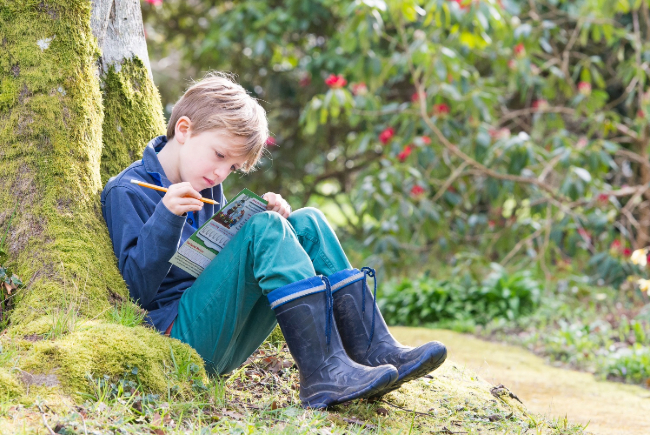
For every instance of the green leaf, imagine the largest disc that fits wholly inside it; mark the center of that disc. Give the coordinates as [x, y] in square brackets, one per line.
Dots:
[545, 45]
[582, 173]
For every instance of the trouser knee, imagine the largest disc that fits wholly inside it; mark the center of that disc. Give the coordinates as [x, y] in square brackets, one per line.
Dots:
[307, 216]
[267, 222]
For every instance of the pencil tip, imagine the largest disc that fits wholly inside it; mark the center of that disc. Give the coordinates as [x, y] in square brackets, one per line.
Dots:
[134, 181]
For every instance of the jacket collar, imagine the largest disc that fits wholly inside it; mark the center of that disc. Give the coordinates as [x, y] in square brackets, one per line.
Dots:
[152, 164]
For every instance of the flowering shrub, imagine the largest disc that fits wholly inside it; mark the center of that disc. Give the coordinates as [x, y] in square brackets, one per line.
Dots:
[538, 123]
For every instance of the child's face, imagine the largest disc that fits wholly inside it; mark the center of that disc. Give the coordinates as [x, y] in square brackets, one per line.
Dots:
[206, 158]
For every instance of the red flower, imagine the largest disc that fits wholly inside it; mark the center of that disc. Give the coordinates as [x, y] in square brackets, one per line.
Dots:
[640, 114]
[604, 198]
[540, 104]
[440, 109]
[335, 81]
[405, 153]
[417, 190]
[584, 233]
[270, 141]
[582, 142]
[512, 64]
[154, 2]
[415, 97]
[426, 140]
[386, 135]
[359, 88]
[305, 81]
[502, 133]
[627, 252]
[491, 225]
[520, 50]
[584, 88]
[462, 3]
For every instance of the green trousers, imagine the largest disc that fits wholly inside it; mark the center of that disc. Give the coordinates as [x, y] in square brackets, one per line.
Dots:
[225, 314]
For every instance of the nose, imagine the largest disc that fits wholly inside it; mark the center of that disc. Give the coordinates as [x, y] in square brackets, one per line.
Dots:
[221, 173]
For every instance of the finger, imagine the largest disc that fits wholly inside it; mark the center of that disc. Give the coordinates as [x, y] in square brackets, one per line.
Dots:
[270, 198]
[185, 203]
[184, 189]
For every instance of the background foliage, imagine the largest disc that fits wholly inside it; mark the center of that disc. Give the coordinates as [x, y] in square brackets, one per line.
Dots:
[487, 154]
[510, 128]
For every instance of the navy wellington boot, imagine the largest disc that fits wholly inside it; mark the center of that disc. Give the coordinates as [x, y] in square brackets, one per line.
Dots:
[365, 336]
[304, 311]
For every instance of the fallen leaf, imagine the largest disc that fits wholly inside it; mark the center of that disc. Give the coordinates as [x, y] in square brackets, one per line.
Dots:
[156, 420]
[274, 405]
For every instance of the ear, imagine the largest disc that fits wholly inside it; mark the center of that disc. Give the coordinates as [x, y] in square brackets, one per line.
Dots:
[182, 129]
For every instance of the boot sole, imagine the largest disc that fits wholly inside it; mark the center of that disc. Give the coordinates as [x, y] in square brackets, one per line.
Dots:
[324, 399]
[417, 370]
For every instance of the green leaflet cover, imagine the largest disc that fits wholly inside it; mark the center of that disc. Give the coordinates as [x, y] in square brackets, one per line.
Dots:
[200, 249]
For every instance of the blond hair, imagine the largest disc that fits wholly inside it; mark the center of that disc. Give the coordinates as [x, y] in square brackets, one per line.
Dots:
[217, 102]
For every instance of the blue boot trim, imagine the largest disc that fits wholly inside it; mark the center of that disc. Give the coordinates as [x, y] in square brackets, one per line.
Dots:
[298, 289]
[345, 277]
[311, 285]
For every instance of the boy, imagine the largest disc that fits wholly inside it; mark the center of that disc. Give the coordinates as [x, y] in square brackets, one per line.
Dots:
[281, 267]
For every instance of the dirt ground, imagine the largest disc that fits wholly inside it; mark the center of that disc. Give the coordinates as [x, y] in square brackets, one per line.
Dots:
[608, 407]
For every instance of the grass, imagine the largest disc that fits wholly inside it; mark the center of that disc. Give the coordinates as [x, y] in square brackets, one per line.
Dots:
[127, 314]
[262, 397]
[595, 329]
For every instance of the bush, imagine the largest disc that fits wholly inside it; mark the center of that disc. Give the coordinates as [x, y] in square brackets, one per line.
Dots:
[459, 302]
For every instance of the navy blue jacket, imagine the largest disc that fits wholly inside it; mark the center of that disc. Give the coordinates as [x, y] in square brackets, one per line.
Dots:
[146, 235]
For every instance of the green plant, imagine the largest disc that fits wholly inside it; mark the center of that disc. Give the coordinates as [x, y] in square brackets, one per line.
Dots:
[62, 321]
[461, 301]
[127, 314]
[184, 370]
[628, 364]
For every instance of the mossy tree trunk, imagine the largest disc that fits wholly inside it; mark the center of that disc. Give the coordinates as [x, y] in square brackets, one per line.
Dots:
[77, 105]
[132, 107]
[72, 115]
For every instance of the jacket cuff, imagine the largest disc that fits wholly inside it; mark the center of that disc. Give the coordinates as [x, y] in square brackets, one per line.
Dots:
[162, 212]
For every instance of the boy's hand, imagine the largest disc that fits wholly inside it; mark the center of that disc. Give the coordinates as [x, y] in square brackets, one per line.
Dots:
[277, 203]
[182, 198]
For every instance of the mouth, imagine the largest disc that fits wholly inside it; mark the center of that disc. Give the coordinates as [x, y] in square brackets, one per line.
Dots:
[210, 182]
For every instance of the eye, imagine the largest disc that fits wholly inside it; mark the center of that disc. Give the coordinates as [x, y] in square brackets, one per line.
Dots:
[221, 156]
[233, 168]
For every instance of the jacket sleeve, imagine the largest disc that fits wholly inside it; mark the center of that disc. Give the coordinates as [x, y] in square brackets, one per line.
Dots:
[143, 242]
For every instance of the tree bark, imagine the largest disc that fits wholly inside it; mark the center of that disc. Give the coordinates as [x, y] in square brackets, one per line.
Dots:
[132, 107]
[51, 146]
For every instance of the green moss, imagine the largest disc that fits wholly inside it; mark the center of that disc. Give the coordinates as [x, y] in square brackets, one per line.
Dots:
[50, 145]
[132, 116]
[100, 349]
[9, 386]
[51, 123]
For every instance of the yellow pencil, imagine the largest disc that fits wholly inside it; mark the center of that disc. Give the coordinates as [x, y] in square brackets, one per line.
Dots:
[162, 189]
